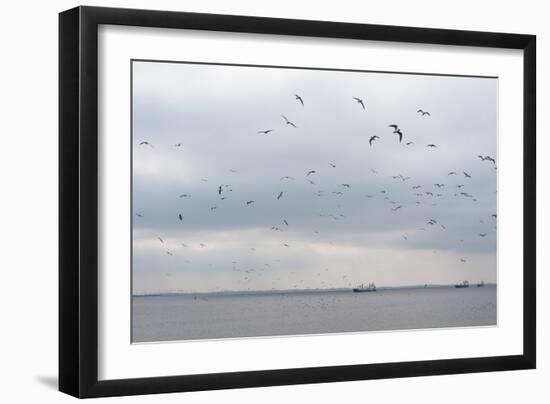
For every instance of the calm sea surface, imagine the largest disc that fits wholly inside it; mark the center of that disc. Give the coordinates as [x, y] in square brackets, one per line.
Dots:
[182, 317]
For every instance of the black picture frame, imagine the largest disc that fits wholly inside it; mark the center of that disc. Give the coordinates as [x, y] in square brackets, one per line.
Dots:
[78, 201]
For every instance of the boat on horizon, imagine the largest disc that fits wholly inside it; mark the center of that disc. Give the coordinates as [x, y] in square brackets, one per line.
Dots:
[371, 287]
[481, 284]
[464, 284]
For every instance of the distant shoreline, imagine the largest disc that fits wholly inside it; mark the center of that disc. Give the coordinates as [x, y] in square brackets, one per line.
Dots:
[296, 291]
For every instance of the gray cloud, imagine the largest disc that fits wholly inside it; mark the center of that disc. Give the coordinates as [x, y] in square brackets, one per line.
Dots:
[215, 112]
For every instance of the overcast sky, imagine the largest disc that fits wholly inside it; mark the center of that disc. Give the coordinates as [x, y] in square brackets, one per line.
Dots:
[215, 113]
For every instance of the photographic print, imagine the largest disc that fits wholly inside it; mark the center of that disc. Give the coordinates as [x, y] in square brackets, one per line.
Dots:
[273, 201]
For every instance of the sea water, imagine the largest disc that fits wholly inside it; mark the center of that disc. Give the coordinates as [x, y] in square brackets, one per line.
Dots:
[212, 316]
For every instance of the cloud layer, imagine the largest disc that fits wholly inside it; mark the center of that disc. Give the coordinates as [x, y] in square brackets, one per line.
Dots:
[337, 236]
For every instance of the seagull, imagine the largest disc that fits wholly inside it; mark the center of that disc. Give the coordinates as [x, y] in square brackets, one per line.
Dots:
[249, 202]
[220, 190]
[431, 145]
[417, 187]
[202, 245]
[338, 193]
[490, 159]
[310, 172]
[462, 260]
[332, 165]
[185, 196]
[373, 138]
[285, 222]
[288, 122]
[299, 99]
[460, 185]
[177, 145]
[139, 215]
[265, 132]
[360, 101]
[467, 195]
[409, 143]
[423, 112]
[311, 182]
[494, 215]
[233, 171]
[169, 253]
[146, 143]
[213, 208]
[482, 234]
[439, 185]
[286, 245]
[394, 126]
[399, 207]
[280, 195]
[466, 174]
[161, 240]
[286, 177]
[180, 216]
[399, 133]
[452, 173]
[373, 171]
[345, 185]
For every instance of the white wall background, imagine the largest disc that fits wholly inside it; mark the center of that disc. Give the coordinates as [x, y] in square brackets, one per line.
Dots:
[28, 203]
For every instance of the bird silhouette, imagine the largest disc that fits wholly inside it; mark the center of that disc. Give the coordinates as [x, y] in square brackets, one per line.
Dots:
[359, 101]
[299, 99]
[373, 138]
[145, 143]
[288, 122]
[310, 172]
[431, 145]
[423, 112]
[280, 195]
[265, 132]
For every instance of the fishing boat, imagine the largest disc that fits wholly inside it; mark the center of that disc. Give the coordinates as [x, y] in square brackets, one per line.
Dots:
[371, 287]
[464, 284]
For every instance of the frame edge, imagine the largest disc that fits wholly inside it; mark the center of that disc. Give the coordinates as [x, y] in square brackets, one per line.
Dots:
[69, 79]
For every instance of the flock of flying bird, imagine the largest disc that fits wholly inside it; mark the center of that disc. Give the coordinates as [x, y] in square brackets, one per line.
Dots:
[419, 192]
